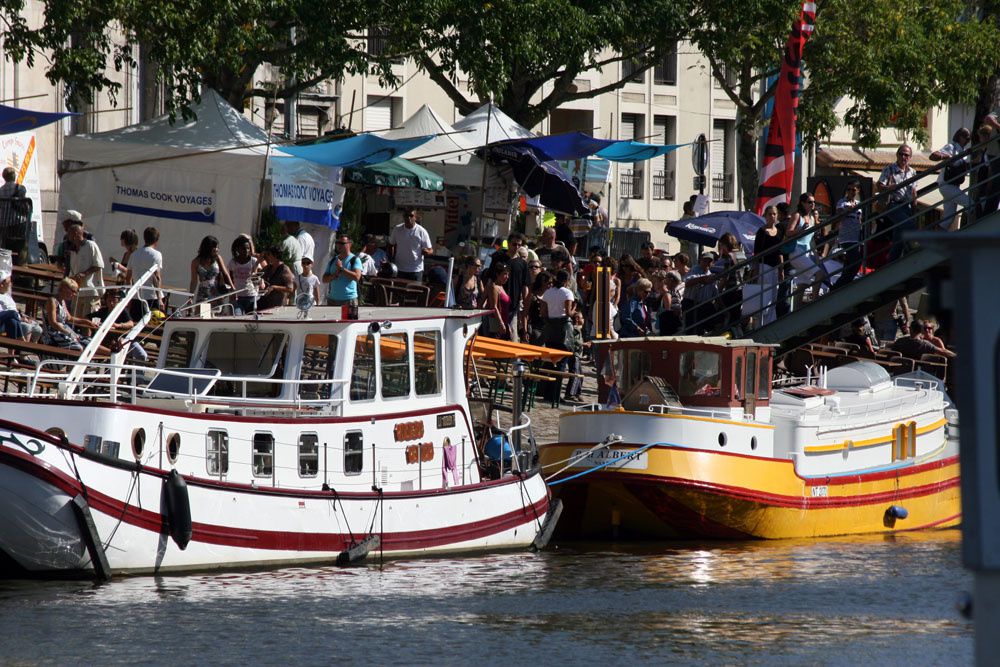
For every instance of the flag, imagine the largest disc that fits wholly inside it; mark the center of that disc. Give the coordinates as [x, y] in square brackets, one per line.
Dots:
[778, 170]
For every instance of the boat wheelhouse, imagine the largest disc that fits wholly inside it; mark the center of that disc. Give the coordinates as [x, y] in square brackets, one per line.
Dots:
[698, 440]
[283, 437]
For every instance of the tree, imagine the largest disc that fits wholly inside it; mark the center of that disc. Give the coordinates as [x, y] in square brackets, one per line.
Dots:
[525, 55]
[219, 43]
[894, 60]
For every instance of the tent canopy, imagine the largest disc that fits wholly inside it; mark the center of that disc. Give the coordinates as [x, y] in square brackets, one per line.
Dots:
[448, 145]
[217, 133]
[14, 120]
[361, 150]
[576, 145]
[396, 173]
[501, 127]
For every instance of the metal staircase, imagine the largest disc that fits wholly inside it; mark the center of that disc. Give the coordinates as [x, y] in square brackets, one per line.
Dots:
[891, 281]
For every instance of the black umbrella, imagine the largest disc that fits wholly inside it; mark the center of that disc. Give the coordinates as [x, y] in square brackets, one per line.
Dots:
[537, 178]
[709, 228]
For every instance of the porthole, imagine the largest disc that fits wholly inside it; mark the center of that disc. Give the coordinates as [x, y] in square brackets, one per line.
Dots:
[138, 443]
[173, 447]
[723, 440]
[753, 443]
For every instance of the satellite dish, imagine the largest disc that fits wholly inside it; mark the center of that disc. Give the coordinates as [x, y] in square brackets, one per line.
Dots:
[304, 301]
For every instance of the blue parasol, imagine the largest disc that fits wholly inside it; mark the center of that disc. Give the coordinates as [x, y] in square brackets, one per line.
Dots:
[709, 228]
[14, 120]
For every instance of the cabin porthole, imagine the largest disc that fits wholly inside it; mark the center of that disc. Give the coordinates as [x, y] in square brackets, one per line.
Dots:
[173, 447]
[753, 443]
[138, 442]
[723, 440]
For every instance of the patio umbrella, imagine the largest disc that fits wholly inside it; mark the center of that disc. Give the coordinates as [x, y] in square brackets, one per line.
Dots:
[709, 228]
[545, 180]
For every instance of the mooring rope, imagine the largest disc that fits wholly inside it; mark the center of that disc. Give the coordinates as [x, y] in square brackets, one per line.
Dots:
[606, 464]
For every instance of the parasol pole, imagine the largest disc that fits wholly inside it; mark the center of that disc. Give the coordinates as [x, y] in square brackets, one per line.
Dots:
[482, 183]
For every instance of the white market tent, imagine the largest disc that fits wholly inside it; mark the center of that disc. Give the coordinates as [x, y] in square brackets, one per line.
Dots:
[489, 124]
[450, 154]
[219, 153]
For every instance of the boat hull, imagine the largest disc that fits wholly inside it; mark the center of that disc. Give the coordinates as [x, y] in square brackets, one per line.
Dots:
[686, 492]
[234, 525]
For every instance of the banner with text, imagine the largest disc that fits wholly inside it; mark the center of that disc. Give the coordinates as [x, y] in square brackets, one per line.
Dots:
[159, 203]
[306, 191]
[20, 151]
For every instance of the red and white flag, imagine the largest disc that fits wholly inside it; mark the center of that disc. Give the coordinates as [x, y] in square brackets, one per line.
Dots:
[778, 170]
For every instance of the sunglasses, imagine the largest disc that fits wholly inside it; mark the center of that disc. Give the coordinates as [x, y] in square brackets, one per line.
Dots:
[535, 266]
[341, 243]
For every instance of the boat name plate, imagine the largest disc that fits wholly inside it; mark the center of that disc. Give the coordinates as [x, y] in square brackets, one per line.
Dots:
[633, 460]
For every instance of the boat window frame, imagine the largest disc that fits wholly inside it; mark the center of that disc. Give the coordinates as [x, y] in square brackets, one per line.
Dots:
[373, 394]
[221, 470]
[697, 355]
[438, 352]
[738, 376]
[195, 340]
[331, 368]
[253, 455]
[763, 376]
[360, 453]
[750, 386]
[409, 367]
[315, 435]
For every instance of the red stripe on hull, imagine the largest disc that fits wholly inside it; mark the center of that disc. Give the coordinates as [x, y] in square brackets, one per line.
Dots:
[277, 540]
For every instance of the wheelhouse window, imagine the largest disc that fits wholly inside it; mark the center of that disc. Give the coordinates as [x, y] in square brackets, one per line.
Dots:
[700, 371]
[363, 369]
[319, 356]
[354, 453]
[180, 345]
[395, 350]
[247, 354]
[263, 455]
[308, 455]
[217, 452]
[764, 377]
[427, 362]
[751, 379]
[739, 378]
[637, 366]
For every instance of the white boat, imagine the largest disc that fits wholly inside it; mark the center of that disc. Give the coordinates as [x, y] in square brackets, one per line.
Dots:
[288, 437]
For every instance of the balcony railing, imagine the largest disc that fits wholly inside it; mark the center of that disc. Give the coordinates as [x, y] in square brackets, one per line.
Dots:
[630, 184]
[722, 187]
[663, 185]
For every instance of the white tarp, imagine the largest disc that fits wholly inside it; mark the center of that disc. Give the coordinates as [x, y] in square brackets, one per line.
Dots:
[450, 154]
[216, 161]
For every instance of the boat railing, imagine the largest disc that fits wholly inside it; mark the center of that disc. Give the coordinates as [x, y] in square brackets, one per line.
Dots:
[590, 407]
[117, 381]
[662, 409]
[515, 460]
[927, 384]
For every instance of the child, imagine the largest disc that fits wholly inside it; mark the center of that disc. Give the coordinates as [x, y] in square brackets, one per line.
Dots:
[308, 282]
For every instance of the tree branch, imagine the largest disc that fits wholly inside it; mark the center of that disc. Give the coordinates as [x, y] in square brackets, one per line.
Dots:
[441, 79]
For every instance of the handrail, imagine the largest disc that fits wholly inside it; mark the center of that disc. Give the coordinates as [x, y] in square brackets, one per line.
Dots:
[662, 408]
[885, 231]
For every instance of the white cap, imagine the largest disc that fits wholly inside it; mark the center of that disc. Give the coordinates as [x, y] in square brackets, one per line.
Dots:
[4, 275]
[75, 216]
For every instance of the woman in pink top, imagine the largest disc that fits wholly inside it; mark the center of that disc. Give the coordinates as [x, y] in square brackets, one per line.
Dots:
[498, 301]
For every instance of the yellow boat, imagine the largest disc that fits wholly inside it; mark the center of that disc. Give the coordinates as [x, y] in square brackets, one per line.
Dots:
[694, 441]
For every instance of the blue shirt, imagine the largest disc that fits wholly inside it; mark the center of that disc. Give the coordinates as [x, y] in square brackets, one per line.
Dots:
[850, 224]
[343, 287]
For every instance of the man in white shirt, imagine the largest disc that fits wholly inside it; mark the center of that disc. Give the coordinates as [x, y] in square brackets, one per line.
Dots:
[307, 243]
[86, 266]
[141, 261]
[952, 177]
[409, 243]
[291, 248]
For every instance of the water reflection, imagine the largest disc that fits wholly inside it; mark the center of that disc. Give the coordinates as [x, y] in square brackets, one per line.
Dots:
[795, 602]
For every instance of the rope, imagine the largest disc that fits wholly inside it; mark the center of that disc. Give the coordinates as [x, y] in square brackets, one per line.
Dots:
[573, 459]
[605, 465]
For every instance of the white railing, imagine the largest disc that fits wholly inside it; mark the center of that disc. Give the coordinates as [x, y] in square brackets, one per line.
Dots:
[515, 462]
[699, 412]
[105, 381]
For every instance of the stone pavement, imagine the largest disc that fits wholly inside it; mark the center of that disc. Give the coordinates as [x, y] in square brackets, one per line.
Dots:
[545, 419]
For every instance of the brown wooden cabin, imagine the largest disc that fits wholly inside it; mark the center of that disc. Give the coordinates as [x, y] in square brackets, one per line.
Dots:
[703, 372]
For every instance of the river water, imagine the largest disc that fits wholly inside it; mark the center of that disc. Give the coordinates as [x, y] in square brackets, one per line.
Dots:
[850, 601]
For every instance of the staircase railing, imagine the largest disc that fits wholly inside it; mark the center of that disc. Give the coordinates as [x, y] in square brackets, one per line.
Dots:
[734, 313]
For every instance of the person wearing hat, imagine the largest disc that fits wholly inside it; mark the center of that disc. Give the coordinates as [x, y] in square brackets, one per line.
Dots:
[86, 268]
[60, 254]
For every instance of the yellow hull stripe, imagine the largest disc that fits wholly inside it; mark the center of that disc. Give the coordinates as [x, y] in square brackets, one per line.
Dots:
[858, 444]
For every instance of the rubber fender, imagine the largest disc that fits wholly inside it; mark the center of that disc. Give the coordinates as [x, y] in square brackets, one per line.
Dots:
[178, 509]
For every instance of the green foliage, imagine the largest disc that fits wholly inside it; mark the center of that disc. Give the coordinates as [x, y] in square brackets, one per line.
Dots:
[526, 54]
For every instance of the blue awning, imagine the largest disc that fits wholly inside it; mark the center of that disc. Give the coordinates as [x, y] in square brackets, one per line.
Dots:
[358, 151]
[577, 145]
[14, 120]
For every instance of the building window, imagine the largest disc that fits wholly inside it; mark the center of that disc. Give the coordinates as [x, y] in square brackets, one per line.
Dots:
[308, 455]
[632, 72]
[427, 362]
[631, 180]
[382, 113]
[354, 453]
[395, 365]
[363, 376]
[217, 452]
[665, 169]
[728, 75]
[723, 160]
[263, 455]
[319, 354]
[665, 71]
